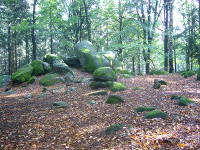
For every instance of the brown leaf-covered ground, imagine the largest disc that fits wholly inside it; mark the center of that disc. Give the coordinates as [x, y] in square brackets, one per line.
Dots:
[29, 122]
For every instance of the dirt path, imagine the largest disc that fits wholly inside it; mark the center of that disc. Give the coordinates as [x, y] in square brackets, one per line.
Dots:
[28, 120]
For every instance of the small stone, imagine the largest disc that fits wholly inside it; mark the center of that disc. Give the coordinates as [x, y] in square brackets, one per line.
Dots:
[92, 102]
[60, 104]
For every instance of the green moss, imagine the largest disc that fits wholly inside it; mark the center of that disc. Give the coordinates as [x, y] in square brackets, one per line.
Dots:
[98, 93]
[23, 74]
[158, 72]
[155, 114]
[114, 128]
[32, 80]
[186, 74]
[104, 74]
[49, 58]
[60, 104]
[185, 101]
[175, 97]
[99, 84]
[144, 108]
[38, 68]
[116, 86]
[49, 79]
[114, 99]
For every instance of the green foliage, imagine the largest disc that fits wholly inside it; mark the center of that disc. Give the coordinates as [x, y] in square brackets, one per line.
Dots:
[60, 104]
[155, 114]
[100, 84]
[145, 108]
[186, 74]
[38, 68]
[32, 80]
[127, 75]
[114, 128]
[116, 86]
[50, 79]
[23, 74]
[104, 74]
[158, 72]
[175, 97]
[114, 99]
[137, 88]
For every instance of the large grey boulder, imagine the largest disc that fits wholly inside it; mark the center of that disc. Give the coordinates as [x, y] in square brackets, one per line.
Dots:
[89, 59]
[60, 67]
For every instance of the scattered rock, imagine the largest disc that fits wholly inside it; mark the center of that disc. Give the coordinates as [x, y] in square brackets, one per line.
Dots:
[114, 99]
[60, 104]
[9, 92]
[47, 67]
[155, 114]
[98, 93]
[50, 79]
[92, 102]
[72, 62]
[181, 100]
[144, 108]
[162, 82]
[156, 84]
[99, 84]
[114, 128]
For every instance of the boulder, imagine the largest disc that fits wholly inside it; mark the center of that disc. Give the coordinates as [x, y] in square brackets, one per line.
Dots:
[5, 80]
[50, 58]
[50, 79]
[117, 86]
[60, 104]
[104, 74]
[72, 62]
[38, 67]
[89, 59]
[114, 99]
[47, 67]
[156, 84]
[100, 84]
[60, 67]
[23, 74]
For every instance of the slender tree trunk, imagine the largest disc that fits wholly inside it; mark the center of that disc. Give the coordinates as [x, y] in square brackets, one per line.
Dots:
[120, 29]
[27, 48]
[34, 52]
[171, 67]
[166, 54]
[87, 20]
[133, 64]
[175, 65]
[9, 50]
[51, 34]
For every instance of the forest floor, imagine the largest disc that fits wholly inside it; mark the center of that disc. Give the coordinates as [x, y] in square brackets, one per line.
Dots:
[29, 122]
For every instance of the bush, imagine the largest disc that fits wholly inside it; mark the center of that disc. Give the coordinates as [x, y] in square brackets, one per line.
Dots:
[114, 128]
[144, 108]
[116, 86]
[32, 80]
[155, 114]
[114, 99]
[50, 79]
[186, 74]
[158, 72]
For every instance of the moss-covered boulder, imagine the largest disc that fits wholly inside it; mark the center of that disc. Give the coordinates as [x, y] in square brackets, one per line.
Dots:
[114, 99]
[60, 67]
[60, 104]
[89, 59]
[181, 100]
[23, 74]
[114, 128]
[47, 67]
[50, 79]
[100, 84]
[38, 67]
[104, 74]
[144, 108]
[32, 80]
[72, 61]
[155, 114]
[5, 80]
[162, 82]
[117, 86]
[50, 58]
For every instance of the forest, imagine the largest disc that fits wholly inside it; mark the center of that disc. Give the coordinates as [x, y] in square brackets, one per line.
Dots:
[100, 74]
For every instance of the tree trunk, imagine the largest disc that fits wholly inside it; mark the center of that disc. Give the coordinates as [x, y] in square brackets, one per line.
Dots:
[171, 67]
[166, 21]
[9, 50]
[34, 52]
[133, 64]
